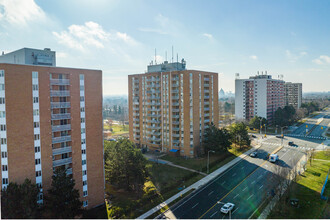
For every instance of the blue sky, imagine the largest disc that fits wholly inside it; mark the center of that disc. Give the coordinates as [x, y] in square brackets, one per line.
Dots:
[290, 38]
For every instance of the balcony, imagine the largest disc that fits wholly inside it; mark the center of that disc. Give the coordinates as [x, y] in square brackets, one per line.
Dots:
[175, 110]
[136, 109]
[153, 127]
[154, 109]
[61, 116]
[60, 105]
[176, 129]
[206, 79]
[206, 97]
[59, 82]
[175, 116]
[136, 119]
[175, 91]
[59, 93]
[206, 103]
[62, 150]
[175, 84]
[206, 109]
[155, 97]
[175, 122]
[69, 171]
[175, 97]
[56, 128]
[176, 135]
[136, 114]
[136, 103]
[153, 121]
[62, 162]
[206, 114]
[154, 139]
[206, 85]
[56, 140]
[154, 115]
[206, 120]
[176, 141]
[175, 103]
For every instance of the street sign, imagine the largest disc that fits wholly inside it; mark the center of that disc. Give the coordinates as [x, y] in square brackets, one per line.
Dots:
[306, 126]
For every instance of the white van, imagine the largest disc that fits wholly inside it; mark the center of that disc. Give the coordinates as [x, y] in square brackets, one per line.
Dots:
[273, 158]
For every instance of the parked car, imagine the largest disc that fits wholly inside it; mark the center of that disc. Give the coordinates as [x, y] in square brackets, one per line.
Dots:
[227, 207]
[253, 136]
[254, 154]
[279, 136]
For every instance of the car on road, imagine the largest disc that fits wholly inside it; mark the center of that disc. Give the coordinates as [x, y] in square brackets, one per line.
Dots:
[291, 143]
[253, 136]
[227, 207]
[279, 136]
[273, 158]
[253, 154]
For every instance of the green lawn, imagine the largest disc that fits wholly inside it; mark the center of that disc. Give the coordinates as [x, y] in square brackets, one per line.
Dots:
[117, 129]
[307, 190]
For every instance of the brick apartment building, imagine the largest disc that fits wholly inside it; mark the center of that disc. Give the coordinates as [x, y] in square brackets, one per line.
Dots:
[170, 107]
[51, 117]
[259, 95]
[293, 94]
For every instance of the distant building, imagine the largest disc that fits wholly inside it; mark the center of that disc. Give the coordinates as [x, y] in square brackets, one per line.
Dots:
[51, 118]
[259, 95]
[293, 94]
[30, 56]
[221, 93]
[170, 107]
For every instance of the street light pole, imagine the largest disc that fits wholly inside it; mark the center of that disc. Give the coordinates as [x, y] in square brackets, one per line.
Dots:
[208, 159]
[260, 126]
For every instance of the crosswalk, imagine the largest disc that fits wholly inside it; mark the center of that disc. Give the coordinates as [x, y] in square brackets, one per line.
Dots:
[306, 136]
[277, 144]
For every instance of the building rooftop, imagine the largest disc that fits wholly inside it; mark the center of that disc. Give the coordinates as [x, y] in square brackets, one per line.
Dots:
[166, 66]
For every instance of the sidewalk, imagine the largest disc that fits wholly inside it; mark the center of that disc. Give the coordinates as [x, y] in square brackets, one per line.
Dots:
[199, 183]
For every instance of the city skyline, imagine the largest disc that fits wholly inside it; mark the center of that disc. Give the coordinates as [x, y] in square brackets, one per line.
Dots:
[218, 36]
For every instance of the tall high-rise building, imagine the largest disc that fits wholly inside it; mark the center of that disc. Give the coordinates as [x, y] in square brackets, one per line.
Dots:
[293, 94]
[259, 95]
[170, 107]
[51, 118]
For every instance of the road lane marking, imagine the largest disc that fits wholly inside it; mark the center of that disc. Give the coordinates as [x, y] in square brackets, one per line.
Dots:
[236, 196]
[261, 186]
[211, 192]
[214, 214]
[234, 211]
[234, 174]
[195, 205]
[249, 197]
[253, 182]
[223, 182]
[265, 171]
[260, 176]
[242, 168]
[244, 189]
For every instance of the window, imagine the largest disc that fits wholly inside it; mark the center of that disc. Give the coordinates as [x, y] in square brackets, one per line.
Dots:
[82, 109]
[37, 161]
[82, 120]
[82, 98]
[3, 154]
[40, 196]
[39, 185]
[3, 141]
[81, 88]
[37, 149]
[84, 172]
[83, 151]
[4, 181]
[83, 141]
[2, 87]
[2, 73]
[85, 203]
[2, 114]
[83, 130]
[2, 127]
[35, 100]
[64, 156]
[35, 87]
[35, 112]
[36, 124]
[84, 182]
[38, 173]
[85, 193]
[35, 75]
[83, 162]
[36, 137]
[81, 76]
[2, 100]
[4, 167]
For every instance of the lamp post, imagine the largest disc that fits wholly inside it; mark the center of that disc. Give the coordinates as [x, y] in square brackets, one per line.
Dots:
[208, 159]
[282, 135]
[260, 125]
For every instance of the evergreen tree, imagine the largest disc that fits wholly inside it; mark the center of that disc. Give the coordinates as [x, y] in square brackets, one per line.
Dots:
[62, 200]
[19, 201]
[216, 139]
[239, 134]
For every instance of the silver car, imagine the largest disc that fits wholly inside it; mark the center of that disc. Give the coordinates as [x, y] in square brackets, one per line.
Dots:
[227, 207]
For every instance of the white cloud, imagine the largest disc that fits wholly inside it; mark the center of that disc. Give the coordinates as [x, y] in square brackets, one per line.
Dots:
[323, 59]
[294, 57]
[90, 34]
[163, 25]
[20, 12]
[209, 36]
[253, 57]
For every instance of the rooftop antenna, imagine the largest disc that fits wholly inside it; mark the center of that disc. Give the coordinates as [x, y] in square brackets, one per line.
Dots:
[165, 55]
[237, 75]
[172, 53]
[155, 57]
[258, 73]
[266, 72]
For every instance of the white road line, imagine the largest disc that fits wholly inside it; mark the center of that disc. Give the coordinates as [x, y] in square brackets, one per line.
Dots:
[249, 197]
[265, 171]
[261, 186]
[195, 205]
[242, 168]
[214, 214]
[259, 176]
[236, 196]
[223, 182]
[253, 182]
[234, 211]
[234, 174]
[211, 192]
[244, 189]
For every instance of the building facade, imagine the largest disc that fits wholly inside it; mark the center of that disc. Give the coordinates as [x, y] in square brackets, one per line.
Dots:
[293, 94]
[30, 56]
[170, 109]
[50, 118]
[259, 95]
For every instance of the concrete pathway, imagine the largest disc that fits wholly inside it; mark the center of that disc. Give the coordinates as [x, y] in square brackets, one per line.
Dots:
[199, 183]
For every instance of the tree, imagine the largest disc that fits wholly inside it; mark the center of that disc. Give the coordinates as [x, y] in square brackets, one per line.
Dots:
[255, 122]
[216, 139]
[285, 116]
[62, 200]
[239, 134]
[20, 200]
[125, 165]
